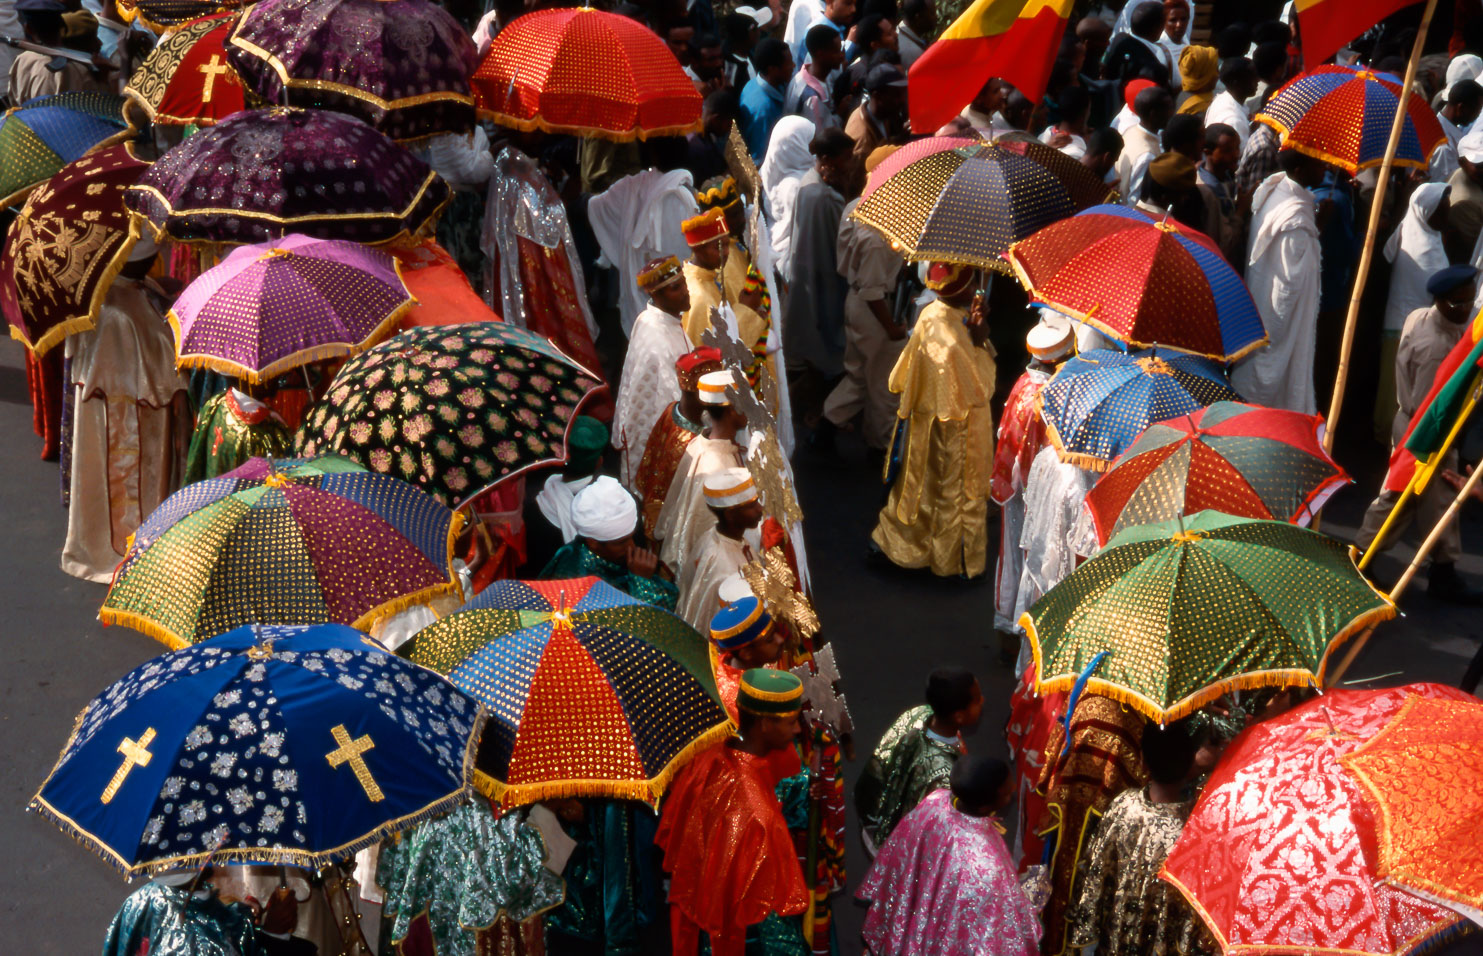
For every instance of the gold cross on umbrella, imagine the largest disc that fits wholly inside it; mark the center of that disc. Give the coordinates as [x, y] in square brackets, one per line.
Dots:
[213, 69]
[350, 751]
[136, 754]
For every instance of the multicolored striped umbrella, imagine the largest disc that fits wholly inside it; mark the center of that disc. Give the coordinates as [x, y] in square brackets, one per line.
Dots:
[1242, 460]
[1343, 116]
[968, 204]
[1142, 282]
[283, 542]
[42, 135]
[186, 80]
[1099, 402]
[593, 693]
[275, 306]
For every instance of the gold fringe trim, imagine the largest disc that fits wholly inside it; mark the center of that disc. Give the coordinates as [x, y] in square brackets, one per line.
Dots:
[451, 586]
[648, 791]
[145, 625]
[1348, 165]
[1077, 458]
[538, 124]
[294, 83]
[154, 116]
[910, 254]
[125, 134]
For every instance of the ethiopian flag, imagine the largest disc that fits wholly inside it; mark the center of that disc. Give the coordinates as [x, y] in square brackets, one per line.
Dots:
[1454, 382]
[1326, 25]
[1012, 39]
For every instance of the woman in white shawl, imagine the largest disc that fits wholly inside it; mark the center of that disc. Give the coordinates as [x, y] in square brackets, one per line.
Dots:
[1414, 252]
[785, 164]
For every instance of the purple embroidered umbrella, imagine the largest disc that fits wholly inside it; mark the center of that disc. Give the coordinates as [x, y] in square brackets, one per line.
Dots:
[261, 174]
[272, 307]
[401, 65]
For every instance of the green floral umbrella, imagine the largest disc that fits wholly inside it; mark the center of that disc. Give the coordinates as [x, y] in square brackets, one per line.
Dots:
[452, 409]
[1189, 609]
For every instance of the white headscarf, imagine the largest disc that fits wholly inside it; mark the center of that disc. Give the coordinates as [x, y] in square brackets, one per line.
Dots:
[1464, 66]
[1415, 251]
[604, 511]
[787, 161]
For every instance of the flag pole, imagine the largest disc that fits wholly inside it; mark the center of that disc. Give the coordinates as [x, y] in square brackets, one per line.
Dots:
[1367, 256]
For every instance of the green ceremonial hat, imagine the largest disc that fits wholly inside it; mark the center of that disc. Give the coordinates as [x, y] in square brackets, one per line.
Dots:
[770, 693]
[585, 443]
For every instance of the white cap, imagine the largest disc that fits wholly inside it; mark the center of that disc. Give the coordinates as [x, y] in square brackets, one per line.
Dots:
[1051, 339]
[729, 487]
[712, 387]
[733, 589]
[1470, 147]
[763, 15]
[604, 510]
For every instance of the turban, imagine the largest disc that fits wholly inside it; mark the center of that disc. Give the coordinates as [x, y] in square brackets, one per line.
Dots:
[740, 623]
[1200, 68]
[692, 365]
[585, 443]
[948, 279]
[770, 693]
[660, 273]
[1050, 341]
[604, 511]
[712, 387]
[1134, 87]
[717, 193]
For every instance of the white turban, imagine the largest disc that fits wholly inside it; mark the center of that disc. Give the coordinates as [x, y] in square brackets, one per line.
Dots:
[604, 511]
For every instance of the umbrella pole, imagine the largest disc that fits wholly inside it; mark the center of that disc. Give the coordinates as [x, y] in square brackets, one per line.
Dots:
[1362, 273]
[1421, 553]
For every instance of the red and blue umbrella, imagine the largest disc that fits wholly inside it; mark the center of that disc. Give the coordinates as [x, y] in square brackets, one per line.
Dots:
[1099, 402]
[592, 692]
[1142, 282]
[42, 135]
[1343, 116]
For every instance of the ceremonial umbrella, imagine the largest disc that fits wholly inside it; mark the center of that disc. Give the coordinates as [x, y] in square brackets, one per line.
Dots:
[1423, 772]
[66, 245]
[42, 135]
[591, 693]
[1100, 401]
[968, 204]
[272, 307]
[1142, 282]
[401, 65]
[185, 80]
[1189, 609]
[274, 745]
[1242, 460]
[1278, 855]
[906, 155]
[282, 542]
[163, 15]
[1343, 115]
[452, 409]
[586, 72]
[261, 174]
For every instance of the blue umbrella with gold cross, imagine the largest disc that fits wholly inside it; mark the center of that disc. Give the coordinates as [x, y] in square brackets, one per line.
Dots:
[267, 744]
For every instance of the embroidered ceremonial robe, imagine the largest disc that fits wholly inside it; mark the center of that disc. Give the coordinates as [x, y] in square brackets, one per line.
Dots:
[663, 452]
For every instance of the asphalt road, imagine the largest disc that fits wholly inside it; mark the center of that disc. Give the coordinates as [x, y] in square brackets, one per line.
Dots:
[889, 630]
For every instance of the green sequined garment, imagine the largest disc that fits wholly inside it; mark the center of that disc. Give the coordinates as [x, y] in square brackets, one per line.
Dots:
[906, 766]
[226, 435]
[173, 923]
[614, 887]
[576, 560]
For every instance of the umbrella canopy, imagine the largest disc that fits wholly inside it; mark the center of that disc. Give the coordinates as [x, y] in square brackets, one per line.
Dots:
[262, 174]
[163, 15]
[1142, 282]
[452, 409]
[586, 72]
[1423, 772]
[42, 135]
[186, 80]
[272, 307]
[1343, 116]
[66, 245]
[1187, 610]
[282, 542]
[275, 745]
[1278, 855]
[1243, 460]
[968, 204]
[401, 65]
[1099, 402]
[910, 153]
[592, 693]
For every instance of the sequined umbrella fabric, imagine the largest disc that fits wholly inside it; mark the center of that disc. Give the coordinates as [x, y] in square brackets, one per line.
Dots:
[186, 80]
[1423, 775]
[1343, 116]
[968, 204]
[592, 693]
[1142, 282]
[452, 409]
[66, 245]
[586, 72]
[42, 135]
[1099, 402]
[401, 65]
[1187, 610]
[272, 745]
[1242, 460]
[1279, 856]
[910, 153]
[261, 174]
[282, 542]
[163, 15]
[275, 306]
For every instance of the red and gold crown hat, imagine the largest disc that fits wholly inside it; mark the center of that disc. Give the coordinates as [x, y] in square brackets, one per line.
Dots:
[660, 273]
[706, 227]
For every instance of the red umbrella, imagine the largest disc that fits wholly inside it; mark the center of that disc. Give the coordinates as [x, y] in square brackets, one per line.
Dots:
[1244, 460]
[1279, 854]
[186, 80]
[586, 72]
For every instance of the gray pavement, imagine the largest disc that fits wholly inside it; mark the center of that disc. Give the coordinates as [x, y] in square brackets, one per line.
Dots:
[889, 630]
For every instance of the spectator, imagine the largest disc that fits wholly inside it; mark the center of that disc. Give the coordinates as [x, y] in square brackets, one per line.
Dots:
[881, 119]
[1139, 54]
[808, 92]
[1154, 106]
[1228, 107]
[1104, 147]
[918, 23]
[1069, 133]
[762, 97]
[707, 69]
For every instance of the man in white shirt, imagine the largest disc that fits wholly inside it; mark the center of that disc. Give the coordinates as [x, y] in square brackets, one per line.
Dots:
[1464, 100]
[1238, 77]
[1154, 106]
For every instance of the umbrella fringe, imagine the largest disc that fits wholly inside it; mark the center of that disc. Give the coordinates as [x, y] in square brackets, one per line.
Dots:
[538, 124]
[108, 617]
[1347, 165]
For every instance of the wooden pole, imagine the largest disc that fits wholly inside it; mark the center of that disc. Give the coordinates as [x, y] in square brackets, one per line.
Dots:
[1367, 256]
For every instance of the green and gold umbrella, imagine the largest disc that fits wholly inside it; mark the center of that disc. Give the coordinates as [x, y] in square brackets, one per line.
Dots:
[1189, 609]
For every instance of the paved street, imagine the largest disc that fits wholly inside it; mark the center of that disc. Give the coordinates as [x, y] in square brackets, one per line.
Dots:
[889, 630]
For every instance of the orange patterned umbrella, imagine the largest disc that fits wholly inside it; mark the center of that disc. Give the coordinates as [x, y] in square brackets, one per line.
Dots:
[1424, 774]
[586, 72]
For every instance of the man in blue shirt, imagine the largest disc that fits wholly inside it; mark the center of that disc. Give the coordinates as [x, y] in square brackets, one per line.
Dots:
[762, 97]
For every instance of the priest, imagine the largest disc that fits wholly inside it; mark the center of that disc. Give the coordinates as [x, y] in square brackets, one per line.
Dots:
[605, 517]
[723, 550]
[657, 341]
[684, 517]
[673, 431]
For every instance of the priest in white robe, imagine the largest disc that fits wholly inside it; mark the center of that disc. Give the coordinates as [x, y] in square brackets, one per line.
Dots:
[684, 516]
[658, 340]
[722, 551]
[1057, 533]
